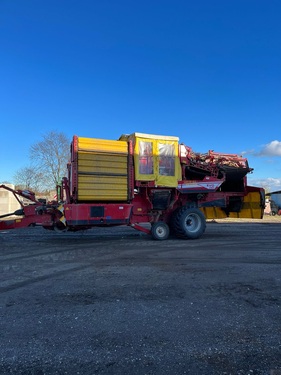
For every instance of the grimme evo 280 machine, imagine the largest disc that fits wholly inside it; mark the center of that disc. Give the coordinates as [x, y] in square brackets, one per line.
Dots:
[144, 178]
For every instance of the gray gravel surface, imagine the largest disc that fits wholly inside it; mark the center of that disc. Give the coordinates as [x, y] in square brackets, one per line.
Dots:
[114, 301]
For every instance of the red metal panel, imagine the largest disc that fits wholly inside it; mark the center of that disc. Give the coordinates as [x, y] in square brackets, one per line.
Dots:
[97, 214]
[208, 184]
[32, 215]
[25, 222]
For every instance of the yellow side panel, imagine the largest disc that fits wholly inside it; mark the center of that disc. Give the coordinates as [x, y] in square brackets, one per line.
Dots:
[102, 145]
[99, 188]
[251, 208]
[102, 163]
[102, 170]
[213, 212]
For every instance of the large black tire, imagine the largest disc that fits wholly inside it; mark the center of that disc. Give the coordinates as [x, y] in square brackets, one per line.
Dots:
[189, 223]
[172, 222]
[160, 231]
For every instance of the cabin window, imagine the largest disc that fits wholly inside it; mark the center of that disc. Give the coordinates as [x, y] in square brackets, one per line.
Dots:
[166, 159]
[145, 157]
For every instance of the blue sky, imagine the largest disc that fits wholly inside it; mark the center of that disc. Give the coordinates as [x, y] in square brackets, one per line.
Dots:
[206, 71]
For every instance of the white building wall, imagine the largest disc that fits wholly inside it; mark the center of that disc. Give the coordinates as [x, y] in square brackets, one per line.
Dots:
[267, 209]
[8, 203]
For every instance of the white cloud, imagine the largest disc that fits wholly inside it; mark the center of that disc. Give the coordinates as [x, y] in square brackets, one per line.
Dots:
[269, 184]
[271, 149]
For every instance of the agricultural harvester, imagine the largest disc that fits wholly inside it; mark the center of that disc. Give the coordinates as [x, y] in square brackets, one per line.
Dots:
[144, 179]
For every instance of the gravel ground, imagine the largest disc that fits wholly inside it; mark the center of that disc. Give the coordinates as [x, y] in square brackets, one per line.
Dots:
[114, 301]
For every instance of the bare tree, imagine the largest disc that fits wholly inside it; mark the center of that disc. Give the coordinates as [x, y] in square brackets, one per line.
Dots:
[50, 156]
[30, 178]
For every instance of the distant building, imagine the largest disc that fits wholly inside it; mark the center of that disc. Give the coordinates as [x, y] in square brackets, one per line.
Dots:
[8, 203]
[267, 209]
[275, 201]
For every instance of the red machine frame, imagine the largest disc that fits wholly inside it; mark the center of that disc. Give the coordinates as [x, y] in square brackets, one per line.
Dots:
[28, 215]
[212, 175]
